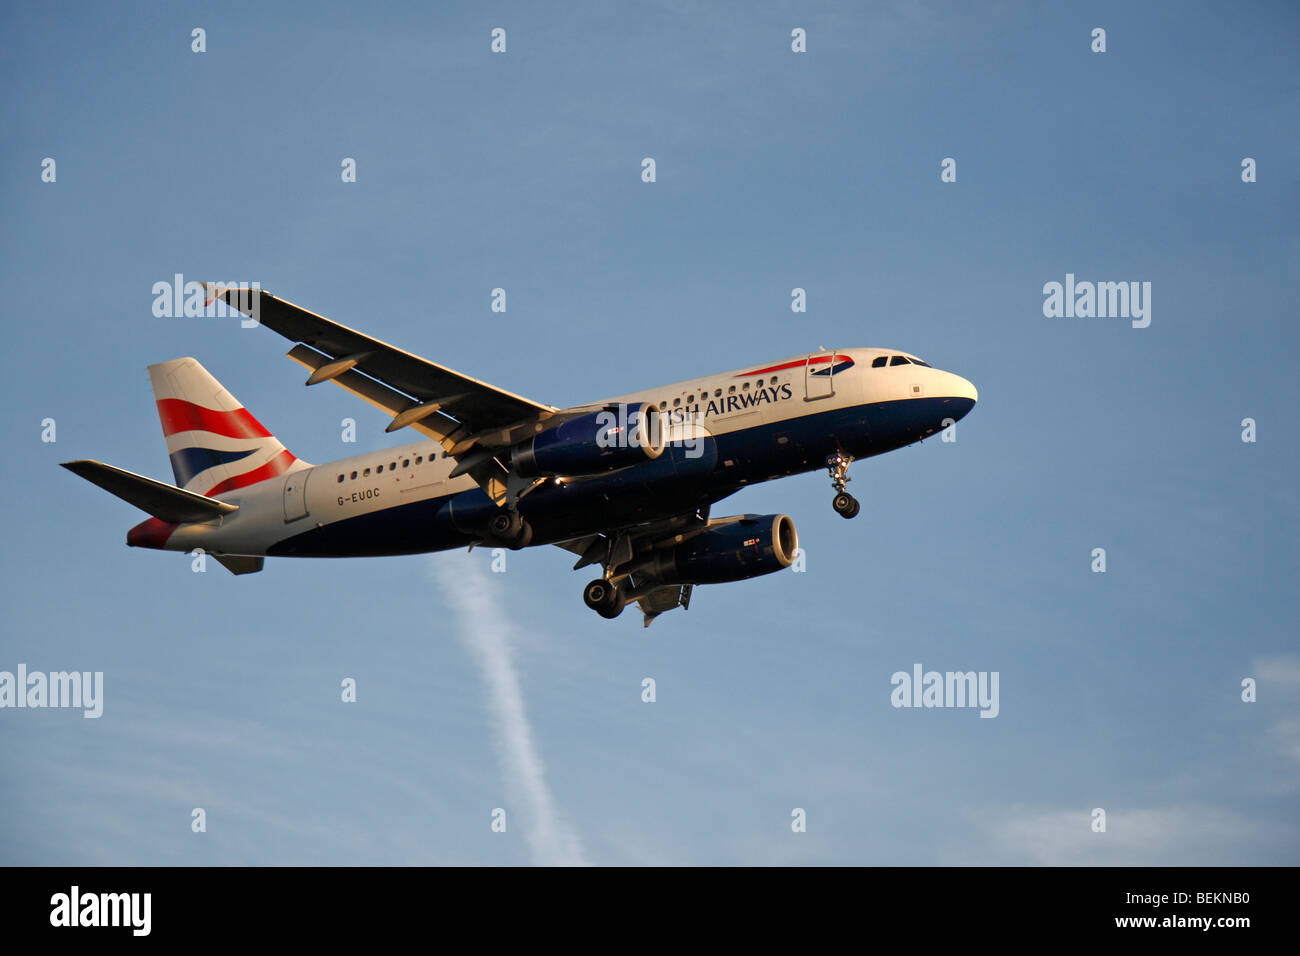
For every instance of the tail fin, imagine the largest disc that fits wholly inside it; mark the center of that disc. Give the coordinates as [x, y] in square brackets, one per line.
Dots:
[215, 445]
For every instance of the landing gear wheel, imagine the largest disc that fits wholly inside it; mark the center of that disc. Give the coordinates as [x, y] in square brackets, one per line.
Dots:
[506, 525]
[846, 505]
[603, 598]
[837, 465]
[509, 528]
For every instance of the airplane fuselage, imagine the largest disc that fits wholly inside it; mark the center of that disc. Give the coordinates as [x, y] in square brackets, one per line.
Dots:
[726, 431]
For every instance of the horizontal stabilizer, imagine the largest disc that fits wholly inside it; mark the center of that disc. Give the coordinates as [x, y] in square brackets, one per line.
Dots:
[165, 502]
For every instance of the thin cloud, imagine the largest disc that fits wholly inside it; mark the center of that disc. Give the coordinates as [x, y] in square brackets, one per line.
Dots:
[484, 629]
[1279, 679]
[1282, 671]
[1180, 835]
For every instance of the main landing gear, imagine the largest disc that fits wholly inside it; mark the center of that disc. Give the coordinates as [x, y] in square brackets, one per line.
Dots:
[603, 598]
[510, 529]
[845, 505]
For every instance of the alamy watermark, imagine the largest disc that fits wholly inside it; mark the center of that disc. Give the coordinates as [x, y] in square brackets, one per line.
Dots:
[208, 300]
[635, 426]
[76, 908]
[1101, 300]
[922, 688]
[84, 689]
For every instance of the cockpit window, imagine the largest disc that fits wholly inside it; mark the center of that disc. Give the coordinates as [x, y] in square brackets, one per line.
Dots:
[898, 360]
[879, 361]
[917, 361]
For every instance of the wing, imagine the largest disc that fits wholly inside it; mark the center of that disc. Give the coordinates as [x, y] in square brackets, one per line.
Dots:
[468, 417]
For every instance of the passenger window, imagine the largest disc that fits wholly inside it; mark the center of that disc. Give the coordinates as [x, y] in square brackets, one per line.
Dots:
[731, 389]
[879, 361]
[353, 476]
[745, 386]
[340, 479]
[406, 463]
[419, 459]
[717, 393]
[689, 399]
[366, 472]
[898, 360]
[772, 380]
[379, 470]
[676, 402]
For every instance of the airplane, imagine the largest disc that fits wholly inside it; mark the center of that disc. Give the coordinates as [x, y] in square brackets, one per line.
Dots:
[627, 483]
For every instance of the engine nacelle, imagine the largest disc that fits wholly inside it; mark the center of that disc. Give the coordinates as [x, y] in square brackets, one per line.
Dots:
[612, 438]
[734, 551]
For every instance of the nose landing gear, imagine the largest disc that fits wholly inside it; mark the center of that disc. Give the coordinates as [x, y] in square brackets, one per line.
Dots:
[845, 505]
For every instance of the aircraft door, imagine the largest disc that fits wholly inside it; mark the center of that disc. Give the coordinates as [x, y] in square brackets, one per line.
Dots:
[295, 494]
[819, 376]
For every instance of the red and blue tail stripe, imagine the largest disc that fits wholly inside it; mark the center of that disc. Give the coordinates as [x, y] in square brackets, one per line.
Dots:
[213, 442]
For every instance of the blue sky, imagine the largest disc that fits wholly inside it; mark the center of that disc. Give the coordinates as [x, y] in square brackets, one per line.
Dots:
[775, 170]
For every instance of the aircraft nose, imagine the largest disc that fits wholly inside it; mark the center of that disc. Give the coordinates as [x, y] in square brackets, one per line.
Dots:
[964, 388]
[961, 392]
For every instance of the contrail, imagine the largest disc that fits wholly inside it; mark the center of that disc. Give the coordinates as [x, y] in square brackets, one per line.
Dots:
[485, 632]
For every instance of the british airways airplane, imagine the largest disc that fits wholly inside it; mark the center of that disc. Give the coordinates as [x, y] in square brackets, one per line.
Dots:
[626, 483]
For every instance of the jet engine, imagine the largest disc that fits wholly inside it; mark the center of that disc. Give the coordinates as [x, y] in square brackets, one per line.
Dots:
[732, 549]
[613, 438]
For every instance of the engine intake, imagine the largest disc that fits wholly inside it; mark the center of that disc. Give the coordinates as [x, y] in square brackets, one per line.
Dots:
[741, 548]
[613, 438]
